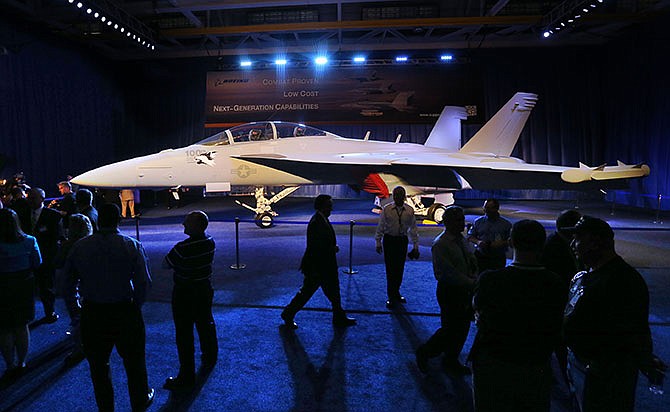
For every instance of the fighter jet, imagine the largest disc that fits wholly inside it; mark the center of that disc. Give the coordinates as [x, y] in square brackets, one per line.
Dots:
[400, 103]
[288, 155]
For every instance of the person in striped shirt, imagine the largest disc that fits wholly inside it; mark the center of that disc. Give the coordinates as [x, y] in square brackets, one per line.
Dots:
[191, 259]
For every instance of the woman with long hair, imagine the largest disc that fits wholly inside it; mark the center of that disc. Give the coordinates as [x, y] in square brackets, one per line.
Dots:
[19, 256]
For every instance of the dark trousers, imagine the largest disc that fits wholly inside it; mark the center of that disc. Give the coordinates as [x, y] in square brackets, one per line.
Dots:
[192, 305]
[605, 386]
[44, 280]
[455, 317]
[104, 326]
[329, 284]
[500, 386]
[395, 254]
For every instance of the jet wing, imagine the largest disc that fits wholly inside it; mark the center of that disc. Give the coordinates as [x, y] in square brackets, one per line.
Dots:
[453, 171]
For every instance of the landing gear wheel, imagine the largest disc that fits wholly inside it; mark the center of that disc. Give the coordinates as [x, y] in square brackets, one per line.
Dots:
[436, 212]
[264, 220]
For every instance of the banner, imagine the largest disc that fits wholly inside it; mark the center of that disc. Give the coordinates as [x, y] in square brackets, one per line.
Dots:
[384, 94]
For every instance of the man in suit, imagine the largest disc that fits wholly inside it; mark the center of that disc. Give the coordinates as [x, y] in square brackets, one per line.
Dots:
[319, 265]
[47, 227]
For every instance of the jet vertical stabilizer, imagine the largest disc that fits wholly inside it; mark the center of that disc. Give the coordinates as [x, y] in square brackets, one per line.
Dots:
[446, 133]
[500, 134]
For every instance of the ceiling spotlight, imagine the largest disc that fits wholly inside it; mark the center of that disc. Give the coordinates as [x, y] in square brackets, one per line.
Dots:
[103, 18]
[70, 1]
[401, 59]
[321, 60]
[122, 29]
[116, 26]
[96, 14]
[446, 57]
[89, 11]
[280, 62]
[359, 59]
[79, 5]
[245, 63]
[546, 34]
[109, 22]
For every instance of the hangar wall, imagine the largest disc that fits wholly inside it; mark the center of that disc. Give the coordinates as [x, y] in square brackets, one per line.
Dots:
[64, 110]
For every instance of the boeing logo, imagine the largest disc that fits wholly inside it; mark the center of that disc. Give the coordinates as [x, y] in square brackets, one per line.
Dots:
[220, 82]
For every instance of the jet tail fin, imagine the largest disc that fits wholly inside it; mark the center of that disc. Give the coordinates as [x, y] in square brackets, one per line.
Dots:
[446, 133]
[500, 134]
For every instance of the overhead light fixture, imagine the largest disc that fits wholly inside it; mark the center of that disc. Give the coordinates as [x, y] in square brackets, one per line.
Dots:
[446, 57]
[245, 63]
[359, 59]
[118, 20]
[565, 15]
[280, 62]
[401, 59]
[321, 60]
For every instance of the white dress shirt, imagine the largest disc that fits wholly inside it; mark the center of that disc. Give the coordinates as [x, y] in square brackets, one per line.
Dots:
[397, 221]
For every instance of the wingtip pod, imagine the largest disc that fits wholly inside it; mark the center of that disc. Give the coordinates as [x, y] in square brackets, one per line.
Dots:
[621, 171]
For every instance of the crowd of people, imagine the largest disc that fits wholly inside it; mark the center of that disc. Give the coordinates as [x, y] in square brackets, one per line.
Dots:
[568, 295]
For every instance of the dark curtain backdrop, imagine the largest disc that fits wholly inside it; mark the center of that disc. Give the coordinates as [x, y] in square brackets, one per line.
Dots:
[59, 109]
[65, 111]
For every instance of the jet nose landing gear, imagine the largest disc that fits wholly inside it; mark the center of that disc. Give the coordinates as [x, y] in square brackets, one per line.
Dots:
[264, 220]
[264, 215]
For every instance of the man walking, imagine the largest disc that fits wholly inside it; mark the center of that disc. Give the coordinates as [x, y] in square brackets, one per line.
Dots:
[319, 265]
[455, 269]
[112, 271]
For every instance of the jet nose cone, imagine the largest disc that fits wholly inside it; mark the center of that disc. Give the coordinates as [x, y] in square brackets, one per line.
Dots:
[92, 178]
[117, 175]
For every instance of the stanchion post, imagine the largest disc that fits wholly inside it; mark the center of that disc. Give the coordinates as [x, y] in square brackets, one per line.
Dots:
[658, 219]
[237, 264]
[350, 270]
[137, 228]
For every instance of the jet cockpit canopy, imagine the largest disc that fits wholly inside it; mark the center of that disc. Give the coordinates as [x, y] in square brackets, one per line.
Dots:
[258, 131]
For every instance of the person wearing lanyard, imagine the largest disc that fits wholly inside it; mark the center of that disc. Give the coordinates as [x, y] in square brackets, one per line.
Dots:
[396, 221]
